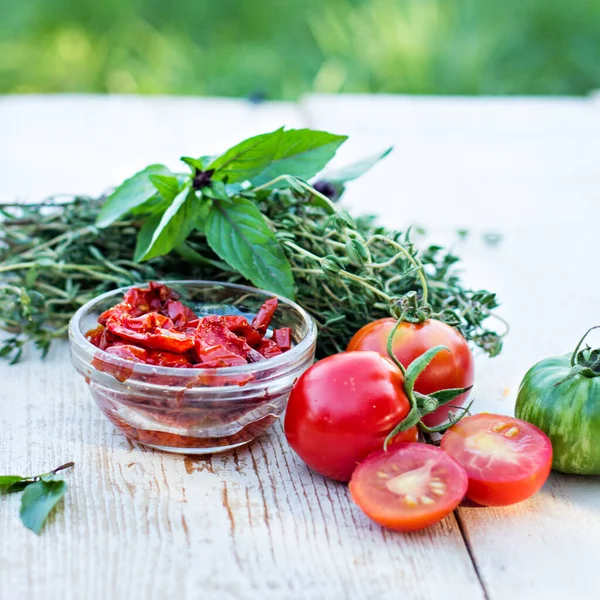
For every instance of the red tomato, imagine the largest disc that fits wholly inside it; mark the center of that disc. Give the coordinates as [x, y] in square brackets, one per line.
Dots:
[507, 460]
[409, 486]
[454, 369]
[342, 409]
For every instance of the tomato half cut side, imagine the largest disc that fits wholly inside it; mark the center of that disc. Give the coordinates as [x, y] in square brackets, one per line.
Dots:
[409, 486]
[507, 460]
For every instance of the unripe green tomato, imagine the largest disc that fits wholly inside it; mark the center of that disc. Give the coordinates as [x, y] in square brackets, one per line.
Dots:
[558, 397]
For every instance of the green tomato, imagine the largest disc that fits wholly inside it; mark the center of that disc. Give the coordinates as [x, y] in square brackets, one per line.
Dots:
[561, 396]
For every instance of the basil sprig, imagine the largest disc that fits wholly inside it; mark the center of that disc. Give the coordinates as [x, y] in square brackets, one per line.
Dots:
[41, 493]
[216, 199]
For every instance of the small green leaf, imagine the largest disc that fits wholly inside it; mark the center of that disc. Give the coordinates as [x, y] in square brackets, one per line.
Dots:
[197, 163]
[217, 190]
[355, 170]
[248, 158]
[444, 396]
[301, 153]
[131, 193]
[144, 236]
[193, 163]
[155, 204]
[167, 185]
[174, 226]
[418, 365]
[239, 234]
[7, 481]
[38, 500]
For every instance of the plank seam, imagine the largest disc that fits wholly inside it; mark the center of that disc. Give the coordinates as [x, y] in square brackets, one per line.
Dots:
[469, 548]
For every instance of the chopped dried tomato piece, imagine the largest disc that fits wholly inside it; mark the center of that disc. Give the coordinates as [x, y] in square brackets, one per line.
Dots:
[217, 356]
[179, 313]
[269, 349]
[240, 326]
[265, 314]
[212, 331]
[129, 352]
[100, 337]
[168, 359]
[151, 331]
[150, 299]
[283, 338]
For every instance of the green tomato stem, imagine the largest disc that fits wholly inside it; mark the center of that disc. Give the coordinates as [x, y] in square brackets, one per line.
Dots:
[576, 351]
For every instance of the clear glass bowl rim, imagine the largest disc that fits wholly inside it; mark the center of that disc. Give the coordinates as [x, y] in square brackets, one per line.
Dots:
[78, 339]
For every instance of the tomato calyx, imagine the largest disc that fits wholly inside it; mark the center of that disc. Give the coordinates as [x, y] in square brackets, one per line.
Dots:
[423, 404]
[412, 309]
[584, 362]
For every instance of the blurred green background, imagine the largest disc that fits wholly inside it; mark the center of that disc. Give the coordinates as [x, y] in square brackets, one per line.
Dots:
[284, 48]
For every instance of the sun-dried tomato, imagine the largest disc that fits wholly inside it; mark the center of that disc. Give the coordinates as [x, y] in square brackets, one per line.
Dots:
[269, 349]
[179, 313]
[129, 352]
[151, 330]
[101, 337]
[168, 359]
[265, 314]
[283, 338]
[240, 326]
[212, 333]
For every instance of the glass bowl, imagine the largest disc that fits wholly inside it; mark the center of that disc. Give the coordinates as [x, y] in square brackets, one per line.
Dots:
[195, 410]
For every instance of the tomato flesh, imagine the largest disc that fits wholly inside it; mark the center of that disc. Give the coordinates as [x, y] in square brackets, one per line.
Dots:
[507, 460]
[454, 369]
[342, 409]
[409, 486]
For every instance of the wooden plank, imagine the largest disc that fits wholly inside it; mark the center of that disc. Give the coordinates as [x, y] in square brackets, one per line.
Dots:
[535, 184]
[246, 525]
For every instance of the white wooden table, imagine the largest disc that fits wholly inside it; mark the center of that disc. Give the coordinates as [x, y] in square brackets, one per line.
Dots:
[256, 524]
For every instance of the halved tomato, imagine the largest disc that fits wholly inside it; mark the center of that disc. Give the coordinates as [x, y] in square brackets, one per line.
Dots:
[409, 486]
[507, 460]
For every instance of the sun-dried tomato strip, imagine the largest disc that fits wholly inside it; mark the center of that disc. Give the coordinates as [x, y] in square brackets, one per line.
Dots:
[263, 318]
[283, 338]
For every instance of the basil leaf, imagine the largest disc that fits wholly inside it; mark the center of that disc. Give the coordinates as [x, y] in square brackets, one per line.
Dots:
[144, 236]
[217, 190]
[167, 185]
[239, 234]
[248, 158]
[156, 204]
[175, 224]
[197, 163]
[38, 500]
[18, 486]
[131, 193]
[7, 481]
[355, 170]
[301, 153]
[193, 163]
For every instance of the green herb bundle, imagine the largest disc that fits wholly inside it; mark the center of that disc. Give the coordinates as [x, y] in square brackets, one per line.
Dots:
[249, 215]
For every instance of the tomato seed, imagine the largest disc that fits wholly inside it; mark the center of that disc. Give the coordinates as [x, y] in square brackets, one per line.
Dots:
[427, 500]
[438, 488]
[411, 500]
[512, 432]
[499, 427]
[382, 475]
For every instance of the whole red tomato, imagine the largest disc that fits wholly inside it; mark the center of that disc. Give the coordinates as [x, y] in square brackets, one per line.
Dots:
[454, 369]
[342, 409]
